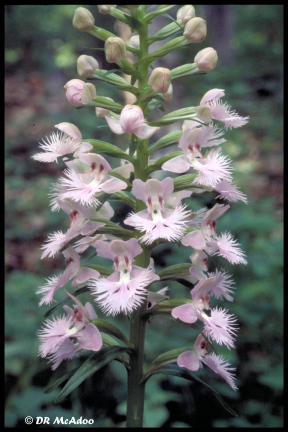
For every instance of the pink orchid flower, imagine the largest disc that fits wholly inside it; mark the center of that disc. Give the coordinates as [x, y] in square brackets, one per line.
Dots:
[57, 338]
[131, 120]
[125, 289]
[220, 111]
[87, 178]
[80, 276]
[157, 221]
[194, 359]
[69, 140]
[79, 224]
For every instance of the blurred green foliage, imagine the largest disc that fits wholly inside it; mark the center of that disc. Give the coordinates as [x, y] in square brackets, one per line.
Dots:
[41, 51]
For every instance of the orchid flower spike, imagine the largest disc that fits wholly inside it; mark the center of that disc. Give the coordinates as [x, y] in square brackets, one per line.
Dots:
[131, 120]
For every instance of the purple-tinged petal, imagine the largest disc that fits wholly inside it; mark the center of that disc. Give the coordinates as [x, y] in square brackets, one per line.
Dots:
[194, 239]
[90, 338]
[189, 360]
[185, 313]
[179, 164]
[222, 367]
[113, 185]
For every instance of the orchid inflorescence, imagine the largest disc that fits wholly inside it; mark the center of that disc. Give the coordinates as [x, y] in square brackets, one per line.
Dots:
[157, 213]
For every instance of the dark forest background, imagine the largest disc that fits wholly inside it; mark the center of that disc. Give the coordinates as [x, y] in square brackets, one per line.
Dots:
[40, 57]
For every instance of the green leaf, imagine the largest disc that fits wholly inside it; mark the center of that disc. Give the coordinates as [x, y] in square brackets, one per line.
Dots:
[159, 11]
[103, 102]
[120, 177]
[110, 149]
[126, 197]
[133, 23]
[162, 360]
[184, 181]
[94, 363]
[172, 117]
[165, 141]
[165, 308]
[172, 19]
[104, 271]
[184, 373]
[106, 327]
[133, 146]
[176, 270]
[157, 166]
[56, 383]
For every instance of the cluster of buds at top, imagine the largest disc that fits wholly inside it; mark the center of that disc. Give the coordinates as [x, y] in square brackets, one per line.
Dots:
[157, 213]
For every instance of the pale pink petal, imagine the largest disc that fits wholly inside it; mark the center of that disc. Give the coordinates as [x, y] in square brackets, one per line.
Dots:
[91, 312]
[70, 130]
[90, 338]
[212, 95]
[213, 168]
[221, 367]
[52, 336]
[113, 185]
[95, 160]
[185, 313]
[85, 147]
[90, 227]
[220, 326]
[138, 190]
[66, 351]
[223, 287]
[53, 244]
[57, 145]
[146, 131]
[179, 164]
[214, 213]
[189, 360]
[230, 192]
[114, 124]
[48, 290]
[223, 113]
[194, 239]
[84, 274]
[228, 248]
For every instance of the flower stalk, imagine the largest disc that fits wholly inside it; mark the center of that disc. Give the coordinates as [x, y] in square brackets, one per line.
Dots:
[90, 185]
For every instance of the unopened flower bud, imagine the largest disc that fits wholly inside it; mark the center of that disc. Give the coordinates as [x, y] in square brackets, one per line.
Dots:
[185, 13]
[203, 113]
[134, 41]
[88, 93]
[115, 49]
[168, 95]
[83, 19]
[79, 93]
[195, 30]
[105, 9]
[102, 112]
[206, 59]
[160, 80]
[86, 65]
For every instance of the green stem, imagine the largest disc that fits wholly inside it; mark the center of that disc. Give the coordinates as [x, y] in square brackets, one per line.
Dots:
[136, 389]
